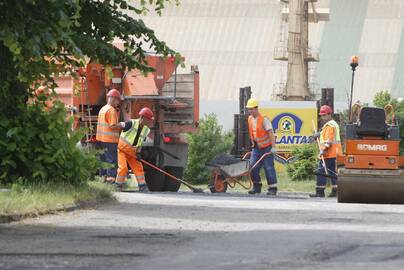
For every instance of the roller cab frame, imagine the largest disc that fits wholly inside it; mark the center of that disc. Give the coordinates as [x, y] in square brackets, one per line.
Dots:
[371, 171]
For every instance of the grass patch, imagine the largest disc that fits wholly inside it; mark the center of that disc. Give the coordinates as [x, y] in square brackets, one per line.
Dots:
[36, 199]
[284, 184]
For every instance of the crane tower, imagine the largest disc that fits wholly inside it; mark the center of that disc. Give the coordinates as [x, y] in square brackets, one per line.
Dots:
[297, 14]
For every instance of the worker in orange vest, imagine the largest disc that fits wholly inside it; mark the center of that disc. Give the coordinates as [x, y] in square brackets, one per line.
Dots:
[330, 146]
[134, 133]
[262, 141]
[107, 137]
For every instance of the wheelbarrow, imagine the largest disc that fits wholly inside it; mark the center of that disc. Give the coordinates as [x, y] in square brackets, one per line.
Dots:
[229, 175]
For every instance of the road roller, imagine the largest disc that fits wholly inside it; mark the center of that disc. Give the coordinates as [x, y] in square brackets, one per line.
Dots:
[371, 170]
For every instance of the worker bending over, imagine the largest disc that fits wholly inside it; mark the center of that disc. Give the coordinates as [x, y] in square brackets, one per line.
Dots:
[108, 134]
[134, 133]
[262, 141]
[330, 146]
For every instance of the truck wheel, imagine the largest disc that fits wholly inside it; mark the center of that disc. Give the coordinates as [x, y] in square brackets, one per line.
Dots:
[169, 183]
[154, 179]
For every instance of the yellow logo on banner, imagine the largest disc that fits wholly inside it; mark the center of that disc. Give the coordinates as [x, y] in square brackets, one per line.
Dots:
[292, 126]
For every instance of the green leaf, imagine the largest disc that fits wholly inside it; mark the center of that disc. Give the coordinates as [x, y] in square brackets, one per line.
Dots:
[11, 132]
[10, 163]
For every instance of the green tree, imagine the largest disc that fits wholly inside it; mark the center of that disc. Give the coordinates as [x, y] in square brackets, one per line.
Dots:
[305, 162]
[382, 98]
[39, 39]
[204, 146]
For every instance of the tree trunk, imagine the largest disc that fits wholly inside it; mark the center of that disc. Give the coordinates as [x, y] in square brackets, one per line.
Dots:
[13, 94]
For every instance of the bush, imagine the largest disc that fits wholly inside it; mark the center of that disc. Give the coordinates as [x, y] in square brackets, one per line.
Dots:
[39, 147]
[204, 146]
[305, 162]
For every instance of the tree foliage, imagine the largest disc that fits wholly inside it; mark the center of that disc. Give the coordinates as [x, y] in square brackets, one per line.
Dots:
[39, 39]
[382, 98]
[204, 146]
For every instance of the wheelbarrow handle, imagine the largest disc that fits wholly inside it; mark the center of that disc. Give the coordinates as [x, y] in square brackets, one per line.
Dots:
[246, 155]
[260, 159]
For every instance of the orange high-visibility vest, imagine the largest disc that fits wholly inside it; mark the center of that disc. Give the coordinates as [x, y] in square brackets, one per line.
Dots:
[104, 132]
[330, 136]
[259, 135]
[127, 138]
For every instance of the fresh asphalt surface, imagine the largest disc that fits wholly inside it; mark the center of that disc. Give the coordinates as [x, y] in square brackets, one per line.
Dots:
[205, 231]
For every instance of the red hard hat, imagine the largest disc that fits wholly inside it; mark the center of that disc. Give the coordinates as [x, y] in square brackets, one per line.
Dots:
[114, 93]
[325, 109]
[147, 113]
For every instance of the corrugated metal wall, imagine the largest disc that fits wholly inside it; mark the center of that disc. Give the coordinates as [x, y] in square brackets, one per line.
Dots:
[232, 42]
[379, 45]
[341, 39]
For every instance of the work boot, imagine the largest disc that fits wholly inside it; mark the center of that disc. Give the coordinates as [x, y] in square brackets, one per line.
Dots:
[256, 189]
[109, 180]
[118, 186]
[143, 188]
[272, 191]
[333, 193]
[319, 193]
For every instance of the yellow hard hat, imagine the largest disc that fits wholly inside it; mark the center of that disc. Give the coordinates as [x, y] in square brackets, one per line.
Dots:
[252, 103]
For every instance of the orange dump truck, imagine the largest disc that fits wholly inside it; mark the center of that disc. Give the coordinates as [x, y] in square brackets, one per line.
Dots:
[173, 97]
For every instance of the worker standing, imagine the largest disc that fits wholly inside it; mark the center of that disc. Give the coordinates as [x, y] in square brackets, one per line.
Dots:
[107, 137]
[330, 146]
[262, 141]
[134, 133]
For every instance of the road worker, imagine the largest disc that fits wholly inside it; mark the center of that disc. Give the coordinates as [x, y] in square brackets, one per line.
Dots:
[262, 141]
[330, 146]
[134, 133]
[107, 137]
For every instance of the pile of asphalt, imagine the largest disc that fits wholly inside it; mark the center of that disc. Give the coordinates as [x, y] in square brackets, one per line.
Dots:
[223, 159]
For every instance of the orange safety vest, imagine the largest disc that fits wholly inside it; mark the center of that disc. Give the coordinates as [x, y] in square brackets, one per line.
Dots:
[259, 135]
[104, 132]
[330, 135]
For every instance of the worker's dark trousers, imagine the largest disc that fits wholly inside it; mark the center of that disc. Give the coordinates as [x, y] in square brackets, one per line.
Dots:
[330, 163]
[110, 155]
[267, 162]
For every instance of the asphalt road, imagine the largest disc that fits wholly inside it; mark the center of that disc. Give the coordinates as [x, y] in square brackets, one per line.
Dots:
[191, 231]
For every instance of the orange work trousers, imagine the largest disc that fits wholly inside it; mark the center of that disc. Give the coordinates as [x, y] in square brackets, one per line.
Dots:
[127, 155]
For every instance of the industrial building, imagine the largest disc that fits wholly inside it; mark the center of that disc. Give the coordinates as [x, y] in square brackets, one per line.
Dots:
[234, 44]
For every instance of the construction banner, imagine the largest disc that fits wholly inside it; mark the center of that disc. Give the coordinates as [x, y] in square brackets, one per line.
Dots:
[292, 124]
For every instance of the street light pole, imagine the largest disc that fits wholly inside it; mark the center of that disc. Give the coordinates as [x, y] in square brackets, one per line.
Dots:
[354, 63]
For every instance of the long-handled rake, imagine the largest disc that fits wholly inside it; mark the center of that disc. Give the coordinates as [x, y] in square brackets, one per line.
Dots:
[191, 187]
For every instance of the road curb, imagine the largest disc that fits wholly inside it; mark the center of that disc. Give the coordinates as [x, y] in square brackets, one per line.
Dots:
[65, 208]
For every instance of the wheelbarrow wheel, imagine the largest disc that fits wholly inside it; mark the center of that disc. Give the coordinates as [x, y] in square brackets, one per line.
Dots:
[217, 183]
